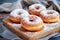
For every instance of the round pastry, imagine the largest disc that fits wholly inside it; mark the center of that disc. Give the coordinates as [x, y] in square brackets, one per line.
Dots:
[36, 9]
[17, 14]
[32, 23]
[49, 16]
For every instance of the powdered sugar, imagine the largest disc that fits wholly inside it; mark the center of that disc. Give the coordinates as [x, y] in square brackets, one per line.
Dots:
[36, 19]
[52, 24]
[15, 25]
[16, 12]
[47, 28]
[45, 13]
[41, 7]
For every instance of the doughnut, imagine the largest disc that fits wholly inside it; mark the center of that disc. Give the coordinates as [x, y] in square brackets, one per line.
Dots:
[32, 23]
[17, 14]
[36, 9]
[49, 16]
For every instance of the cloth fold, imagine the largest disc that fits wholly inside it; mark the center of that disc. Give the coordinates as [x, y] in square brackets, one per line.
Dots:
[8, 6]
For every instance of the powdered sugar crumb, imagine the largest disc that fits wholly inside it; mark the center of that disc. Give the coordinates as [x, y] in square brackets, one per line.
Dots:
[15, 25]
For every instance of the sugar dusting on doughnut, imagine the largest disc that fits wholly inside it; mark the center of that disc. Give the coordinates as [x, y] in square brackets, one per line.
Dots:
[49, 16]
[32, 23]
[19, 13]
[49, 13]
[37, 7]
[32, 20]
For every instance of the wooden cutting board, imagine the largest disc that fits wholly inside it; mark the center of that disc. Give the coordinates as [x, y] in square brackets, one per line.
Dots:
[26, 35]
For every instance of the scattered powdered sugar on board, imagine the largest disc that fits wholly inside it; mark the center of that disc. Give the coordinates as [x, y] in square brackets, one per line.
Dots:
[15, 25]
[51, 24]
[47, 27]
[36, 33]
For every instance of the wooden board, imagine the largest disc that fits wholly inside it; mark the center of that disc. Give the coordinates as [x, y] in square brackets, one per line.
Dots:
[26, 35]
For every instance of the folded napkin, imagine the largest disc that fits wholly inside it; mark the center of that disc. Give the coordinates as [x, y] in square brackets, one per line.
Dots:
[9, 5]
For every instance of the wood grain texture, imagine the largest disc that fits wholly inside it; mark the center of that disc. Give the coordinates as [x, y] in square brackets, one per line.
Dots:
[26, 35]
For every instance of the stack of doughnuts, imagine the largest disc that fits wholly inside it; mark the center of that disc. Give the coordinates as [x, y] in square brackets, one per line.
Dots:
[34, 18]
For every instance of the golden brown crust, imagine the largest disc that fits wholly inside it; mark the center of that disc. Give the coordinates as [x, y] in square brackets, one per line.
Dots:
[14, 19]
[31, 27]
[50, 19]
[33, 12]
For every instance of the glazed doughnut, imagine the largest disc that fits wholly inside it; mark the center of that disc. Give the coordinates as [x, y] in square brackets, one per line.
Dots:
[17, 14]
[32, 23]
[49, 16]
[36, 9]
